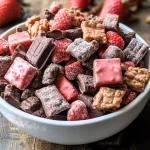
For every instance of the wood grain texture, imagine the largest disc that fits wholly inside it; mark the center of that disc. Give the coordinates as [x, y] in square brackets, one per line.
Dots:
[12, 138]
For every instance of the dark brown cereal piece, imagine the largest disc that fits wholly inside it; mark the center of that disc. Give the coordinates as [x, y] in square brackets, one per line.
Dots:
[85, 83]
[88, 100]
[113, 52]
[27, 93]
[37, 80]
[5, 63]
[89, 63]
[39, 51]
[19, 51]
[93, 31]
[55, 34]
[136, 78]
[40, 113]
[46, 14]
[11, 95]
[51, 72]
[30, 105]
[52, 101]
[3, 84]
[73, 33]
[82, 50]
[108, 99]
[135, 51]
[111, 22]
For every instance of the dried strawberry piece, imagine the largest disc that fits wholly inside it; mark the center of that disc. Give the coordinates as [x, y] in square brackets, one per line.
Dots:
[126, 65]
[66, 88]
[59, 53]
[73, 70]
[129, 98]
[77, 111]
[4, 46]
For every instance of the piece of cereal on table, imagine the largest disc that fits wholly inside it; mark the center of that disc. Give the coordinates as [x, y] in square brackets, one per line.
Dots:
[85, 84]
[136, 78]
[135, 51]
[66, 88]
[31, 104]
[111, 22]
[52, 100]
[77, 111]
[51, 73]
[92, 30]
[18, 38]
[11, 95]
[5, 63]
[107, 72]
[4, 46]
[108, 99]
[88, 100]
[20, 73]
[82, 50]
[113, 52]
[72, 70]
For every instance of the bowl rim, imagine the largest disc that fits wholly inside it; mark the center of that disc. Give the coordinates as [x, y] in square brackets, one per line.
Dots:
[80, 122]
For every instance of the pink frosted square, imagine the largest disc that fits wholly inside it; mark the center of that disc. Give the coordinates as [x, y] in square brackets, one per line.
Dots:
[20, 73]
[17, 38]
[107, 72]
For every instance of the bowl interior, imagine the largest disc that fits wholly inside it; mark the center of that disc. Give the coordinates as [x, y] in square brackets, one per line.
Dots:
[82, 122]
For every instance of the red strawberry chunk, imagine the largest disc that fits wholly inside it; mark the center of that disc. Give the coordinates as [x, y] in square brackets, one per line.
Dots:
[18, 38]
[73, 70]
[77, 111]
[129, 98]
[62, 20]
[66, 88]
[126, 65]
[55, 7]
[4, 46]
[59, 53]
[20, 73]
[115, 39]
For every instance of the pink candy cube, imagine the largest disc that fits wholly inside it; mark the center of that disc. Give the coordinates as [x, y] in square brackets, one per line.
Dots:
[17, 38]
[20, 73]
[66, 88]
[107, 72]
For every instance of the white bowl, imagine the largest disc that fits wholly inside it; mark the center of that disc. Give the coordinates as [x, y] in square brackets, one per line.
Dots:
[77, 132]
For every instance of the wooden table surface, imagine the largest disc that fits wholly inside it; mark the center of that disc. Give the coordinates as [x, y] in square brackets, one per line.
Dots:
[12, 138]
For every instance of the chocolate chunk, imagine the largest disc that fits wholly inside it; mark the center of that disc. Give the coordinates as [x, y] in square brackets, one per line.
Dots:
[40, 113]
[111, 22]
[51, 72]
[86, 85]
[3, 84]
[73, 33]
[88, 100]
[5, 62]
[55, 34]
[89, 63]
[46, 14]
[11, 95]
[39, 51]
[113, 52]
[52, 101]
[82, 50]
[30, 105]
[135, 51]
[19, 51]
[27, 93]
